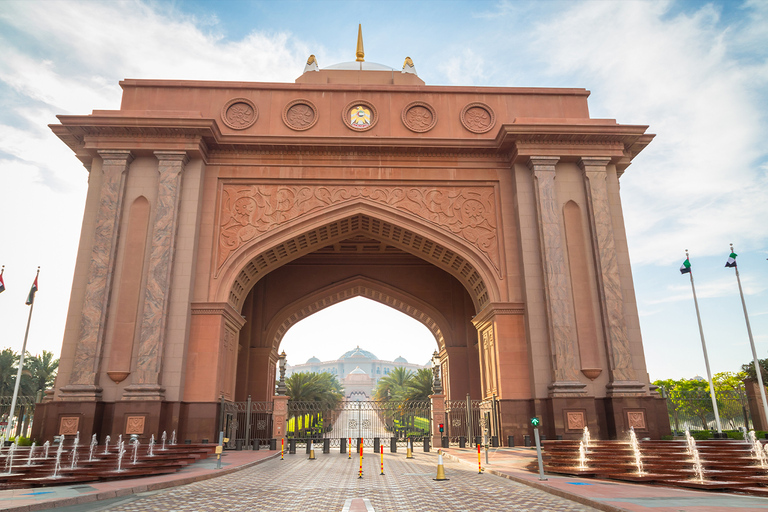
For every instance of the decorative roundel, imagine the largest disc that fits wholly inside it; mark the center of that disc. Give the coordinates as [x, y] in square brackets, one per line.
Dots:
[419, 117]
[360, 115]
[478, 117]
[239, 113]
[300, 115]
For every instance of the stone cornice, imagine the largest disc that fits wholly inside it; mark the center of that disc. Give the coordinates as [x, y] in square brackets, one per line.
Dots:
[218, 308]
[497, 308]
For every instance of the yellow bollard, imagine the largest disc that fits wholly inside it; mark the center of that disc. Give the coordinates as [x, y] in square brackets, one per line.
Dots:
[409, 450]
[361, 459]
[440, 468]
[312, 450]
[282, 448]
[479, 462]
[349, 451]
[382, 460]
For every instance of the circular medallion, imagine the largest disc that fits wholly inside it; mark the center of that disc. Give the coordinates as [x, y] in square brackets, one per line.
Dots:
[478, 117]
[300, 115]
[239, 113]
[360, 115]
[419, 117]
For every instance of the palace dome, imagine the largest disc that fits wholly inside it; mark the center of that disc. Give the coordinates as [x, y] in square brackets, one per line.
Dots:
[357, 371]
[312, 360]
[358, 353]
[401, 359]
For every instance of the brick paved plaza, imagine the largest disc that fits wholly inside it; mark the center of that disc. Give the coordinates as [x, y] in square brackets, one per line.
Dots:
[328, 483]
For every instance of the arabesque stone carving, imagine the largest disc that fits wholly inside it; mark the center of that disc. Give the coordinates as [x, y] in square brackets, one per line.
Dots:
[478, 117]
[575, 420]
[419, 117]
[300, 115]
[248, 212]
[239, 113]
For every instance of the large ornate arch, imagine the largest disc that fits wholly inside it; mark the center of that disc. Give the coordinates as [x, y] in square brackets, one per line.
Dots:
[358, 286]
[311, 232]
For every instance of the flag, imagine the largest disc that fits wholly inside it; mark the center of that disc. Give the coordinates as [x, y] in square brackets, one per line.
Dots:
[685, 268]
[2, 284]
[731, 260]
[32, 291]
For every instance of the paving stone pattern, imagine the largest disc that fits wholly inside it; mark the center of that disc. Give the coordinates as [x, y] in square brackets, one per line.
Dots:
[297, 484]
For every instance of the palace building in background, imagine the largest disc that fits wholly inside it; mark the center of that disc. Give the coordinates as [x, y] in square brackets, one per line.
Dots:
[219, 214]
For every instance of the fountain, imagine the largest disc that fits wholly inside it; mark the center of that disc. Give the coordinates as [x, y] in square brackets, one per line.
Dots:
[59, 451]
[163, 439]
[173, 438]
[135, 450]
[582, 455]
[757, 450]
[636, 451]
[691, 442]
[106, 444]
[9, 459]
[46, 446]
[586, 438]
[151, 449]
[73, 455]
[698, 469]
[94, 443]
[31, 452]
[120, 453]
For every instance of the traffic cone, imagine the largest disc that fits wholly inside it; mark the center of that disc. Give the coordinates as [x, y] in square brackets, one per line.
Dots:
[409, 451]
[312, 450]
[440, 469]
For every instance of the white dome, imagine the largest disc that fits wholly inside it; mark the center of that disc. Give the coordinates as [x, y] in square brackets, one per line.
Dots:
[357, 371]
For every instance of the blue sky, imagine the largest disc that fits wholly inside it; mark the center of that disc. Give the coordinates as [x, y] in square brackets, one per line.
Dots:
[696, 73]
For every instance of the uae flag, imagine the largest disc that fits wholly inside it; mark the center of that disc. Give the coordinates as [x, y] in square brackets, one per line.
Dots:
[32, 291]
[685, 268]
[2, 284]
[731, 260]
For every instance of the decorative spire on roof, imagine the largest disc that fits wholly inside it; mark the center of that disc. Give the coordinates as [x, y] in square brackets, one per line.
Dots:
[311, 64]
[408, 66]
[360, 53]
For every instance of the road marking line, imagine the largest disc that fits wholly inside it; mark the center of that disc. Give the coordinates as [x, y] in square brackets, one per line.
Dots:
[358, 505]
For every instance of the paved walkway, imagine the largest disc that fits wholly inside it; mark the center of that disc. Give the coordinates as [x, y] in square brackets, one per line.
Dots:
[260, 481]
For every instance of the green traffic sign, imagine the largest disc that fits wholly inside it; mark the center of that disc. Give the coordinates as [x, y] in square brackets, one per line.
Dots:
[535, 422]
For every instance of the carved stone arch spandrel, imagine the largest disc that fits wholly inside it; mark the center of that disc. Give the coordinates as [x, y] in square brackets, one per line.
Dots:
[324, 227]
[359, 286]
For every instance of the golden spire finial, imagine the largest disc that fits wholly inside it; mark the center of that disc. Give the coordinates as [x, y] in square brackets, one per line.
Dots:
[360, 53]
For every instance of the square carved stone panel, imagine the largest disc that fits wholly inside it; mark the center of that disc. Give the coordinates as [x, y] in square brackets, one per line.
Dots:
[135, 424]
[575, 421]
[636, 419]
[69, 425]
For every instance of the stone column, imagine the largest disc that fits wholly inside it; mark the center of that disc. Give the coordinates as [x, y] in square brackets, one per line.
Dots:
[438, 416]
[83, 380]
[563, 343]
[145, 384]
[623, 378]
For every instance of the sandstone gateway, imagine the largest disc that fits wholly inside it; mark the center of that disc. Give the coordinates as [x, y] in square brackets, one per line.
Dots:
[219, 214]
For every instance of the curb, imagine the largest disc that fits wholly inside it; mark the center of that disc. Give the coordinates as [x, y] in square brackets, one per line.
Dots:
[548, 489]
[136, 489]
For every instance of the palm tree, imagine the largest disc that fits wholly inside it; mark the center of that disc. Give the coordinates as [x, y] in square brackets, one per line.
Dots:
[393, 386]
[39, 372]
[322, 388]
[9, 362]
[419, 387]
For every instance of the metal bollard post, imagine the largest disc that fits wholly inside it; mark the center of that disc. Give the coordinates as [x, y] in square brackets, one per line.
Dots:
[393, 445]
[462, 442]
[326, 445]
[256, 444]
[527, 440]
[309, 442]
[426, 444]
[343, 445]
[445, 442]
[494, 441]
[511, 441]
[478, 440]
[292, 446]
[273, 444]
[376, 444]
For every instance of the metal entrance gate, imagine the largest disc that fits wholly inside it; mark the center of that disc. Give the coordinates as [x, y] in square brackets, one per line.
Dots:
[470, 419]
[246, 423]
[355, 419]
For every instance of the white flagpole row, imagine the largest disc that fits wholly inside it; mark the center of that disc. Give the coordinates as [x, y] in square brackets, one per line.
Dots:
[21, 364]
[758, 370]
[706, 357]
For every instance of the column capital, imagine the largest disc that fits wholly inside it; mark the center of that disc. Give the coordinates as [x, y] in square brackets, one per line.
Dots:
[543, 163]
[115, 156]
[593, 164]
[177, 156]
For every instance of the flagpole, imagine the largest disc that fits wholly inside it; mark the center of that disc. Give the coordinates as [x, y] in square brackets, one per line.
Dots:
[21, 360]
[758, 370]
[706, 357]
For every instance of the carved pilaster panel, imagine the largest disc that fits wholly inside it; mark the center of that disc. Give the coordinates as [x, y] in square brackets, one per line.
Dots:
[612, 299]
[83, 378]
[559, 304]
[157, 291]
